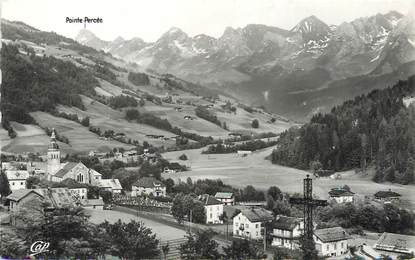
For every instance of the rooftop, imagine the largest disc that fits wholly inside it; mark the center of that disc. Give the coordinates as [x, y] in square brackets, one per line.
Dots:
[286, 223]
[396, 243]
[257, 214]
[148, 182]
[224, 195]
[340, 192]
[111, 183]
[17, 174]
[56, 197]
[331, 234]
[68, 167]
[386, 194]
[210, 200]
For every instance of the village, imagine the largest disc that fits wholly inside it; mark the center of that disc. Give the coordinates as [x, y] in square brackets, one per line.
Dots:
[69, 184]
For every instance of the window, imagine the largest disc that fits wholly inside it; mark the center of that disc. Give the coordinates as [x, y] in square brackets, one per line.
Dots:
[21, 183]
[247, 225]
[13, 183]
[257, 226]
[257, 233]
[342, 245]
[335, 246]
[328, 247]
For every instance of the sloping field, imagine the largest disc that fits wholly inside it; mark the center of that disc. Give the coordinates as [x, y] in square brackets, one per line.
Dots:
[80, 138]
[30, 139]
[261, 173]
[107, 118]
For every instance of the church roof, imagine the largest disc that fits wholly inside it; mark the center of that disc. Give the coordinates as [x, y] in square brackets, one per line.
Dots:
[67, 168]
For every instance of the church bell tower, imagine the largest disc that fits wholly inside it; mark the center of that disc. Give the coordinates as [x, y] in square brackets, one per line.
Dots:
[54, 155]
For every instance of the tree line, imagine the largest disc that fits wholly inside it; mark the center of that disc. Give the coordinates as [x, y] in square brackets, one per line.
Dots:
[374, 129]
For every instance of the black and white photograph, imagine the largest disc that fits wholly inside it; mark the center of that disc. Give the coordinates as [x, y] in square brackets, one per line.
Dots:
[207, 129]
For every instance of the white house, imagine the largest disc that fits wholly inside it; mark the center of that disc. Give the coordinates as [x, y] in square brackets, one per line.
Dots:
[287, 231]
[17, 179]
[147, 186]
[213, 209]
[249, 223]
[331, 241]
[112, 185]
[341, 195]
[226, 198]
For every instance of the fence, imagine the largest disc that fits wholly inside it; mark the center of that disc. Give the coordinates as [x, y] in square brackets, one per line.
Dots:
[143, 204]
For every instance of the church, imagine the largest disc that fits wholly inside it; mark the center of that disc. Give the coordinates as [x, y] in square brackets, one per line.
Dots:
[57, 171]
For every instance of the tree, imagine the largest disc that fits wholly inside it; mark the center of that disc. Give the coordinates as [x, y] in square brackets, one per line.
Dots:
[243, 249]
[4, 185]
[12, 246]
[255, 123]
[198, 212]
[177, 210]
[308, 248]
[85, 121]
[200, 245]
[131, 240]
[32, 182]
[275, 193]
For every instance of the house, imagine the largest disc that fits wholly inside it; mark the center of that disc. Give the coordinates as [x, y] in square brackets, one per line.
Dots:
[188, 117]
[396, 243]
[213, 209]
[94, 204]
[17, 179]
[249, 223]
[244, 153]
[112, 185]
[286, 231]
[387, 196]
[35, 198]
[178, 109]
[226, 198]
[341, 195]
[147, 186]
[331, 241]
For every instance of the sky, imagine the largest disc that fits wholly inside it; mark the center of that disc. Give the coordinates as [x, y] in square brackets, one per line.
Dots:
[149, 19]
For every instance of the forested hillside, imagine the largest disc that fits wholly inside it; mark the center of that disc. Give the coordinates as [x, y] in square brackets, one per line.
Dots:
[377, 128]
[33, 83]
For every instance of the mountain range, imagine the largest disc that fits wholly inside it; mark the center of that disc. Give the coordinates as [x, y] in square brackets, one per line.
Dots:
[274, 67]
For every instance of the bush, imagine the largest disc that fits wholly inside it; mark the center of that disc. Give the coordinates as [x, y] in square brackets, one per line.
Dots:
[255, 123]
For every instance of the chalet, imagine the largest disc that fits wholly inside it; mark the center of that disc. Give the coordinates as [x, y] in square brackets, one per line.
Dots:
[226, 198]
[189, 117]
[396, 243]
[155, 136]
[387, 196]
[243, 153]
[286, 232]
[250, 223]
[213, 209]
[341, 195]
[35, 198]
[94, 204]
[112, 185]
[178, 109]
[235, 134]
[331, 241]
[17, 179]
[147, 186]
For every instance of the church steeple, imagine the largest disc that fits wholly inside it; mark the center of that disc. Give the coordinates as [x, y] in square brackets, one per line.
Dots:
[54, 154]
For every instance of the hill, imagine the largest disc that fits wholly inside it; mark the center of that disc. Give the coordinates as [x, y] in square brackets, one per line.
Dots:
[374, 129]
[50, 81]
